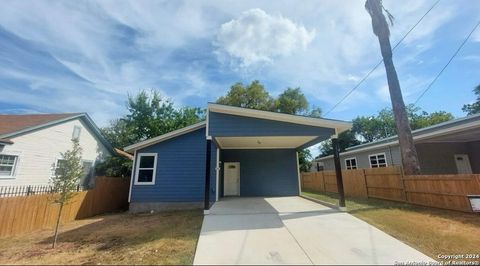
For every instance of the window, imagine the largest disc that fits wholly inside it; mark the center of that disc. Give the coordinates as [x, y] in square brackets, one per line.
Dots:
[76, 132]
[58, 163]
[146, 167]
[351, 163]
[378, 160]
[7, 165]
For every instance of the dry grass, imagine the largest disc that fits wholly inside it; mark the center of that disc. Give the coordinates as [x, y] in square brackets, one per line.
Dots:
[163, 238]
[431, 231]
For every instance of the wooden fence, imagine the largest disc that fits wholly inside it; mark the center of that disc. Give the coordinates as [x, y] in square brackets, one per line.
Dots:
[29, 213]
[440, 191]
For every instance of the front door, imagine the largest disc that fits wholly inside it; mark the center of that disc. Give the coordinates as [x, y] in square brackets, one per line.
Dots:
[231, 178]
[463, 164]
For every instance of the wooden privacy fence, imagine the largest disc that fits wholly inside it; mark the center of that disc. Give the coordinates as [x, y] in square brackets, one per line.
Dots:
[29, 213]
[440, 191]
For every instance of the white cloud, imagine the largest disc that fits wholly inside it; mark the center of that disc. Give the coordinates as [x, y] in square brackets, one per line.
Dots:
[257, 37]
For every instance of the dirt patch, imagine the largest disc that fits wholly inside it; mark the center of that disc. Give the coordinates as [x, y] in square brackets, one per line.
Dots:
[162, 238]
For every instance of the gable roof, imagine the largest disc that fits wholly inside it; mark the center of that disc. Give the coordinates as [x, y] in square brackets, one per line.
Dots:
[164, 137]
[448, 127]
[15, 125]
[338, 125]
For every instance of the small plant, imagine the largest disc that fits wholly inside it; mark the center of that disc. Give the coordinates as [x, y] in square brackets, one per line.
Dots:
[65, 181]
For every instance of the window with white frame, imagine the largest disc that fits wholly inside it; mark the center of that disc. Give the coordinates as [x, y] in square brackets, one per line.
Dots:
[146, 169]
[58, 163]
[378, 160]
[76, 132]
[7, 165]
[351, 163]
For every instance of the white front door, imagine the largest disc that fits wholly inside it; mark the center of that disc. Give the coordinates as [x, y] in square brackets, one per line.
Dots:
[463, 163]
[231, 179]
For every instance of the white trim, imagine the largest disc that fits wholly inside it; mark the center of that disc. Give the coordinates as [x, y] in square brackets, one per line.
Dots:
[258, 148]
[340, 126]
[217, 173]
[206, 125]
[298, 175]
[376, 154]
[351, 158]
[14, 167]
[164, 137]
[138, 168]
[132, 176]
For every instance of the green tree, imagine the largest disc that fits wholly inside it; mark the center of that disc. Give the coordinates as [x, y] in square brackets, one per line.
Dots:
[66, 179]
[473, 108]
[292, 101]
[252, 96]
[149, 115]
[345, 139]
[382, 125]
[305, 160]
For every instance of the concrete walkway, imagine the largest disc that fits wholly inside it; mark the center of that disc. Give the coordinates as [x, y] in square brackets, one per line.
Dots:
[293, 230]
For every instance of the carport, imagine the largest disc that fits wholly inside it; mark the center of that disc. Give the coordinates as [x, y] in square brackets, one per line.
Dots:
[256, 152]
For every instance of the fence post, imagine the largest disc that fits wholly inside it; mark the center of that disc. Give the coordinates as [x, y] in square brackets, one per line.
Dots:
[28, 190]
[364, 173]
[402, 182]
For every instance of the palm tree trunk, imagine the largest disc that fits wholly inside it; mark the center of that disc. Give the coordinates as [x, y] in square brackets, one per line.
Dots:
[410, 162]
[56, 226]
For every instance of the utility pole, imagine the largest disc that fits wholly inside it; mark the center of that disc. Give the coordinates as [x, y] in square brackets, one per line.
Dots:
[410, 162]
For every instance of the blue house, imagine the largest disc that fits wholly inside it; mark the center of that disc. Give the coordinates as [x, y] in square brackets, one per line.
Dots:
[235, 152]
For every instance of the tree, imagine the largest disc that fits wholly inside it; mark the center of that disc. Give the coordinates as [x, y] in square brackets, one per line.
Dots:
[345, 139]
[252, 96]
[382, 125]
[292, 101]
[66, 179]
[473, 108]
[408, 151]
[149, 115]
[305, 160]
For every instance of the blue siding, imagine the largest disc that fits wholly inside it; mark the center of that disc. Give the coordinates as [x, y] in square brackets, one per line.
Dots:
[265, 172]
[180, 175]
[224, 125]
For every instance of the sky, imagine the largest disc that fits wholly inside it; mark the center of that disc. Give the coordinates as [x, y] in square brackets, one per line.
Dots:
[87, 56]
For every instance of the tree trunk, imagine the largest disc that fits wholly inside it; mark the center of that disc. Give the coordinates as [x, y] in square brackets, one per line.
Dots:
[405, 139]
[56, 226]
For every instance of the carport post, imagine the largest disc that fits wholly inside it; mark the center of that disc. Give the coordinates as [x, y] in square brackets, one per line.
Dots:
[338, 171]
[207, 176]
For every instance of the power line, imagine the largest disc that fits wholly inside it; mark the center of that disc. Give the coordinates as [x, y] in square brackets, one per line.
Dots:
[446, 65]
[379, 63]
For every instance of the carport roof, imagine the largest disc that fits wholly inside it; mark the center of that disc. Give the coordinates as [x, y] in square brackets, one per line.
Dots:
[338, 125]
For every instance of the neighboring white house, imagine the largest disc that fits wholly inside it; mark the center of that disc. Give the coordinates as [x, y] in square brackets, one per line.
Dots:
[31, 146]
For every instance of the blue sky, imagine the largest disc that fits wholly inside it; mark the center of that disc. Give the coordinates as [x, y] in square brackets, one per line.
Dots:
[86, 56]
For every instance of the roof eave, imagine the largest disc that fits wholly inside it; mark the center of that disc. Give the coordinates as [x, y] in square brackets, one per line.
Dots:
[164, 137]
[339, 125]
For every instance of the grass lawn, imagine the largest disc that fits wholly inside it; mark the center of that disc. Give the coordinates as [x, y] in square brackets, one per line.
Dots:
[162, 238]
[431, 231]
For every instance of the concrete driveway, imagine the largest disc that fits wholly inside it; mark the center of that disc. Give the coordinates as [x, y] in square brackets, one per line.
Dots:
[293, 230]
